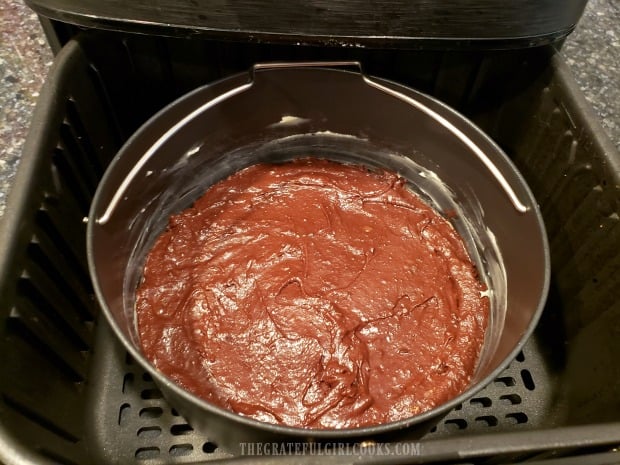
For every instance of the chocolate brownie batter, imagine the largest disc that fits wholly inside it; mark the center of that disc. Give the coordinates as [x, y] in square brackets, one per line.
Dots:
[313, 294]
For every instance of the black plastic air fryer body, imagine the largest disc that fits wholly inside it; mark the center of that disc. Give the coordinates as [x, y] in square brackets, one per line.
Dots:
[394, 23]
[70, 394]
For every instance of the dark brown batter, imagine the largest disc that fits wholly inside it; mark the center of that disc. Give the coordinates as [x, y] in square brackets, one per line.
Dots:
[313, 294]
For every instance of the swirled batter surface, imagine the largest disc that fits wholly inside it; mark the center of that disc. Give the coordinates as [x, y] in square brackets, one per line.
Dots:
[313, 294]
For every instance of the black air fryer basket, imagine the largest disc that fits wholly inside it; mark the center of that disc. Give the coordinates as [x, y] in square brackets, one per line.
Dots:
[71, 395]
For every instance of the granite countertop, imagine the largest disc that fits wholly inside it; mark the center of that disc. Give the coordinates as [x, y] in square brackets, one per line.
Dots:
[592, 51]
[24, 60]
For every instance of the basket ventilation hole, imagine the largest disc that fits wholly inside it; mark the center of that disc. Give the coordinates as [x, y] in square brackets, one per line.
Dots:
[520, 357]
[151, 412]
[517, 417]
[179, 450]
[481, 401]
[512, 399]
[127, 383]
[146, 377]
[528, 381]
[149, 432]
[180, 430]
[151, 394]
[174, 413]
[506, 381]
[128, 359]
[145, 453]
[123, 414]
[209, 447]
[457, 423]
[490, 420]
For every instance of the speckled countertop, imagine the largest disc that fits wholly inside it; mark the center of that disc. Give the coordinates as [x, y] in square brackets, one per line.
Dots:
[24, 60]
[592, 51]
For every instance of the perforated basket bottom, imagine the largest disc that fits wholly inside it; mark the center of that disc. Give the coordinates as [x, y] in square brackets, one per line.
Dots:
[137, 425]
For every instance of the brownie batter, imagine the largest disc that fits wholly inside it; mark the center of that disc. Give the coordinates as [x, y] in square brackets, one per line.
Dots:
[313, 294]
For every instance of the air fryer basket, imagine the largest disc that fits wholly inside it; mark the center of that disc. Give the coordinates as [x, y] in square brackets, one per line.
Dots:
[71, 394]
